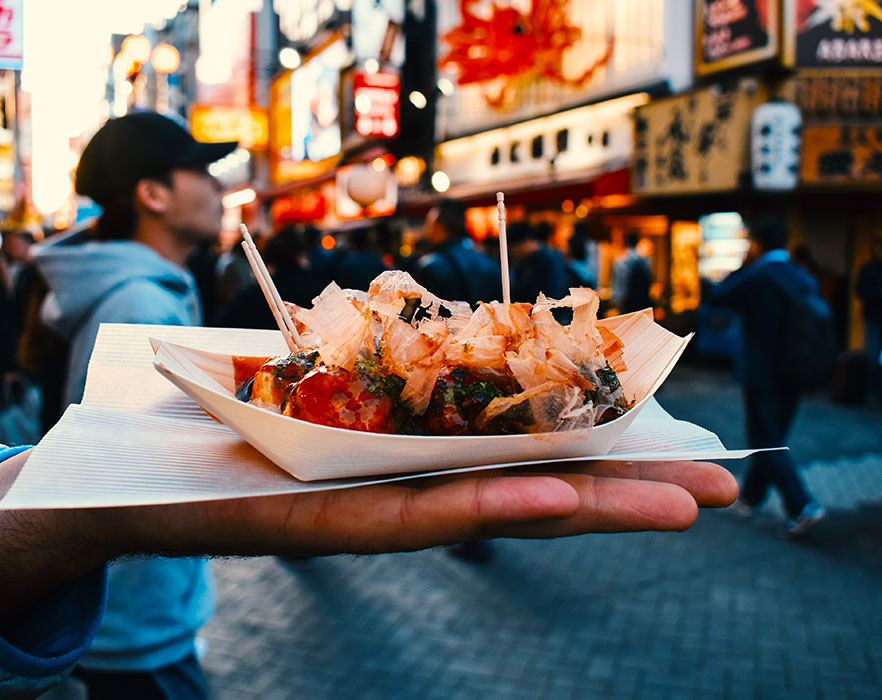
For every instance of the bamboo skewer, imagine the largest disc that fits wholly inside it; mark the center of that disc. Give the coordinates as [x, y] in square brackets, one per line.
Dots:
[273, 298]
[503, 249]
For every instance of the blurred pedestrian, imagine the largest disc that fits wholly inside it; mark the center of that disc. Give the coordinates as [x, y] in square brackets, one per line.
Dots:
[537, 267]
[755, 290]
[203, 265]
[159, 203]
[320, 260]
[454, 268]
[234, 276]
[869, 290]
[360, 262]
[581, 258]
[20, 272]
[631, 278]
[284, 256]
[802, 255]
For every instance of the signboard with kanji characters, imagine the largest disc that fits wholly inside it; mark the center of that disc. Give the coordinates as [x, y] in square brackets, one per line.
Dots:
[11, 53]
[842, 154]
[849, 94]
[214, 123]
[695, 142]
[376, 103]
[732, 33]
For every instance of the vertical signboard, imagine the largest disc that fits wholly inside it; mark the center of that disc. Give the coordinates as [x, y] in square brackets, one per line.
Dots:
[732, 33]
[11, 34]
[376, 98]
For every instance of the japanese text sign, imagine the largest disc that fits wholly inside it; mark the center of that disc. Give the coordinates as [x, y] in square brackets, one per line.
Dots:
[376, 97]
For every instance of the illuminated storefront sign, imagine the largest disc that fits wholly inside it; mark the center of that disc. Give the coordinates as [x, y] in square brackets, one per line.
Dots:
[569, 142]
[842, 154]
[304, 116]
[734, 32]
[376, 104]
[11, 34]
[247, 125]
[826, 94]
[315, 105]
[835, 33]
[376, 31]
[542, 56]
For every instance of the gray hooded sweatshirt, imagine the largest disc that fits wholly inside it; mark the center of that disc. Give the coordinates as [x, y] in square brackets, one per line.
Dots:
[155, 605]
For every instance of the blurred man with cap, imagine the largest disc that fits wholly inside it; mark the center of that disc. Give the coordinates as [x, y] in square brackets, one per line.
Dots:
[150, 176]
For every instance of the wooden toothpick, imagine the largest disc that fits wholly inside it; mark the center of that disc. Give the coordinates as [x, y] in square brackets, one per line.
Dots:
[503, 249]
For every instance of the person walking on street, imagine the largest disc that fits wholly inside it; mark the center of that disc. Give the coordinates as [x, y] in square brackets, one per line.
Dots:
[159, 203]
[536, 266]
[757, 291]
[631, 278]
[869, 290]
[454, 268]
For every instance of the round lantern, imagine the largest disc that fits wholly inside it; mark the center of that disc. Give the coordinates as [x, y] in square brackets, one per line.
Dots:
[365, 185]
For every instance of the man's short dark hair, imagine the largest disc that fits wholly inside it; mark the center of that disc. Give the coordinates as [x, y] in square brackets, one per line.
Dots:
[119, 219]
[518, 232]
[632, 239]
[543, 231]
[451, 217]
[770, 232]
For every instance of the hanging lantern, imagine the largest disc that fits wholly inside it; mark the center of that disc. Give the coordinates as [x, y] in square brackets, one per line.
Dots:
[365, 185]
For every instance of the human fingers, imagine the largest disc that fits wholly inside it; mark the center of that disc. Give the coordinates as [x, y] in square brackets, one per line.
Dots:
[609, 504]
[371, 519]
[711, 485]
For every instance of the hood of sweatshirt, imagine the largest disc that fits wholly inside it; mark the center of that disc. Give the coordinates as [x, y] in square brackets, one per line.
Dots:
[81, 272]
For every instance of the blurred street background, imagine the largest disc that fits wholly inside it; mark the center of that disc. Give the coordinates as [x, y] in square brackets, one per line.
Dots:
[635, 141]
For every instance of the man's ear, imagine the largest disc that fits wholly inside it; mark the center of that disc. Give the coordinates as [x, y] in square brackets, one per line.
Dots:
[152, 195]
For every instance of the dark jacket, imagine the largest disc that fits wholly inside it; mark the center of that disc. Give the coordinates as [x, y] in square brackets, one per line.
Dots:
[869, 289]
[460, 272]
[755, 292]
[542, 271]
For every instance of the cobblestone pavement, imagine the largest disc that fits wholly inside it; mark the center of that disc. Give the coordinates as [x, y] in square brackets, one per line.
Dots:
[724, 610]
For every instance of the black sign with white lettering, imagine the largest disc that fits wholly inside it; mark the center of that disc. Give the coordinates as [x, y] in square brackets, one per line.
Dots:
[735, 32]
[830, 36]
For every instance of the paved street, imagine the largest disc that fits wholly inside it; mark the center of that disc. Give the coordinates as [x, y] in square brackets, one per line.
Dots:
[725, 610]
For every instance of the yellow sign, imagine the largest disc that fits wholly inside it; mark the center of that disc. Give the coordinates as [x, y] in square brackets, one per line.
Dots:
[845, 154]
[214, 123]
[694, 142]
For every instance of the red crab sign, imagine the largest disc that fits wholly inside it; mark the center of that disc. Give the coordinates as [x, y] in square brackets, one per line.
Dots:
[510, 47]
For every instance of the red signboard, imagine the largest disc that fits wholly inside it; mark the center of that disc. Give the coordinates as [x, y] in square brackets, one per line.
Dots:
[11, 34]
[376, 98]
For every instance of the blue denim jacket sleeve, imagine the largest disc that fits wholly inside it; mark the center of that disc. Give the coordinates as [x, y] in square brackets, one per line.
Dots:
[42, 644]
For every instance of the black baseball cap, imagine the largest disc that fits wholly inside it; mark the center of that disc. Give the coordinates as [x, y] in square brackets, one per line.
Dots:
[139, 145]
